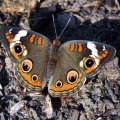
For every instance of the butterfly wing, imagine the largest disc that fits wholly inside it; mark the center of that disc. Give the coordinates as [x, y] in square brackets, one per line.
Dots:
[77, 61]
[29, 51]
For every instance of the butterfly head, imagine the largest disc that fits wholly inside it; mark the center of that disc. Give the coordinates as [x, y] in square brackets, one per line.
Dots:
[56, 42]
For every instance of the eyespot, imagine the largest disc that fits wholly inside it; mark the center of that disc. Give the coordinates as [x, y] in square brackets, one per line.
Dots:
[34, 78]
[72, 76]
[26, 65]
[59, 84]
[18, 48]
[89, 62]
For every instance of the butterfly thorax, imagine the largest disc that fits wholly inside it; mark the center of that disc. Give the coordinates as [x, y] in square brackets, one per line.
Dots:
[54, 50]
[54, 53]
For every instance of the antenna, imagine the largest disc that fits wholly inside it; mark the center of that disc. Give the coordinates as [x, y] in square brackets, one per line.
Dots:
[65, 27]
[58, 37]
[54, 26]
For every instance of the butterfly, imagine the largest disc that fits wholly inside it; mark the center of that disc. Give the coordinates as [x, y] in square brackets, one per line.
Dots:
[62, 68]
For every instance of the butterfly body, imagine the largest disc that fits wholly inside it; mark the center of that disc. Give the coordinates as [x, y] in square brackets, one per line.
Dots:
[62, 68]
[53, 57]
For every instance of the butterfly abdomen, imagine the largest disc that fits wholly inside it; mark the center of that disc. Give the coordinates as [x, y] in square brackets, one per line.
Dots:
[50, 68]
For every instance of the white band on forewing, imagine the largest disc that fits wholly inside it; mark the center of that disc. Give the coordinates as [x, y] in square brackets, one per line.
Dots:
[20, 34]
[92, 47]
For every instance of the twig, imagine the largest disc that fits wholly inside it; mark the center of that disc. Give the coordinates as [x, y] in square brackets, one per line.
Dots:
[110, 92]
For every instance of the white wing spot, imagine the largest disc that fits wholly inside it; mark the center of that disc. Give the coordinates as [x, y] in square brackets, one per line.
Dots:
[20, 34]
[92, 47]
[81, 64]
[10, 30]
[104, 48]
[25, 53]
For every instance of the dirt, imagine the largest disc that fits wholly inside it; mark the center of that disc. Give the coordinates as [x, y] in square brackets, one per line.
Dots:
[93, 20]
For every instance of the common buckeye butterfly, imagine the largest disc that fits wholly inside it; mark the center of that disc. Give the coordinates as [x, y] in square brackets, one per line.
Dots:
[63, 68]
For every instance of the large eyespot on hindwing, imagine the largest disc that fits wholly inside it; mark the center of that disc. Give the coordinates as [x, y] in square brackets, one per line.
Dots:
[26, 72]
[18, 50]
[72, 77]
[26, 65]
